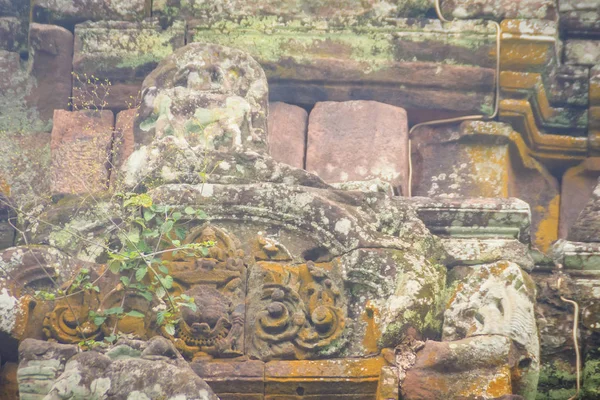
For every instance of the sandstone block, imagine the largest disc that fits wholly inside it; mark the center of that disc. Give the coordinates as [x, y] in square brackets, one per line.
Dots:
[13, 35]
[31, 91]
[579, 18]
[577, 187]
[358, 140]
[499, 10]
[14, 85]
[437, 67]
[14, 8]
[119, 55]
[80, 150]
[483, 159]
[69, 13]
[287, 133]
[582, 52]
[350, 378]
[156, 370]
[51, 50]
[477, 367]
[216, 10]
[587, 226]
[26, 165]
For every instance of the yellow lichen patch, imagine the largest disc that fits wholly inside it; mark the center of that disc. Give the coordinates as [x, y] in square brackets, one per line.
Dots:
[371, 318]
[367, 368]
[489, 169]
[488, 386]
[558, 148]
[547, 231]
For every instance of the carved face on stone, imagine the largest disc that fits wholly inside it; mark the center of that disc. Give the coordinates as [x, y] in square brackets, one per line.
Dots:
[211, 96]
[212, 306]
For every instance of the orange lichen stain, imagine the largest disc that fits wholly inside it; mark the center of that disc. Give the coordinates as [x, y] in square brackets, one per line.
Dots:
[547, 231]
[4, 187]
[24, 306]
[490, 387]
[373, 330]
[518, 54]
[500, 386]
[489, 170]
[318, 370]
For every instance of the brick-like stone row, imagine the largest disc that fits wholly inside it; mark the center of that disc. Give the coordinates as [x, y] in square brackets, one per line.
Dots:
[68, 13]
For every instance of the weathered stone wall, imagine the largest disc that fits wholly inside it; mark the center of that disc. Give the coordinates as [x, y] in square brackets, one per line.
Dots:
[318, 180]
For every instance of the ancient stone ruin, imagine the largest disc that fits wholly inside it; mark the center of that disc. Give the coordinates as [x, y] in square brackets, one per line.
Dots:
[300, 199]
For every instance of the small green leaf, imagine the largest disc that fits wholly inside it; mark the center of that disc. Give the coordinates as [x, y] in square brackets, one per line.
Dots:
[99, 320]
[180, 233]
[115, 266]
[176, 243]
[170, 329]
[189, 211]
[160, 317]
[150, 233]
[176, 216]
[110, 339]
[163, 269]
[160, 292]
[133, 236]
[148, 215]
[201, 214]
[114, 310]
[141, 273]
[146, 295]
[166, 227]
[167, 281]
[126, 281]
[135, 314]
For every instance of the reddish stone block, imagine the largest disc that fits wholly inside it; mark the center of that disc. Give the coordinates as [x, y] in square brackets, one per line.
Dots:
[358, 141]
[440, 366]
[577, 186]
[80, 151]
[51, 54]
[287, 133]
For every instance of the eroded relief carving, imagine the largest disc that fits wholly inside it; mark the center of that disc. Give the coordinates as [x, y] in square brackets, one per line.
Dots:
[217, 284]
[299, 310]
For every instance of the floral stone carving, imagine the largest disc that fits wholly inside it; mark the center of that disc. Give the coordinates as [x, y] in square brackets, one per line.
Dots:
[296, 311]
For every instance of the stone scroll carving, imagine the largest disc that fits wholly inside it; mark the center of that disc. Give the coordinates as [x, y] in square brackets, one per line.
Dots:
[297, 311]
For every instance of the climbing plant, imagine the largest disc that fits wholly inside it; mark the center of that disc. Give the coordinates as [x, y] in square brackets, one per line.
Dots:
[145, 231]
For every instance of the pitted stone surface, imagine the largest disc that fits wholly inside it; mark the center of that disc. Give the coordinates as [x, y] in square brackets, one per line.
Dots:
[587, 226]
[80, 150]
[130, 370]
[358, 141]
[287, 133]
